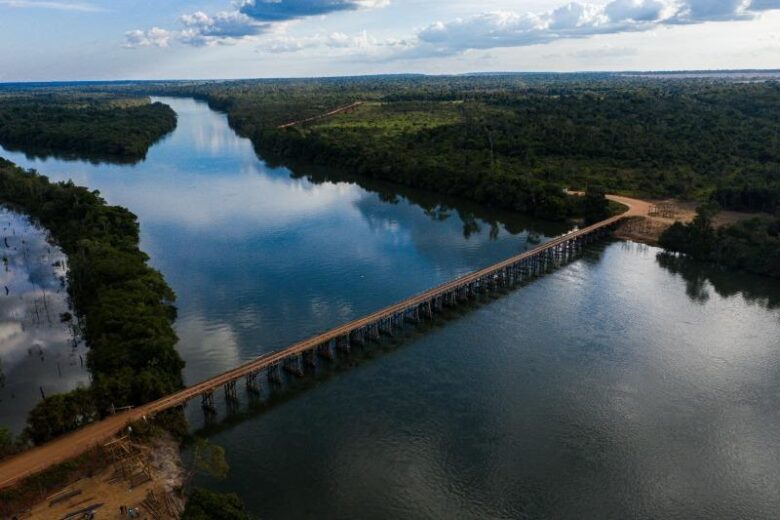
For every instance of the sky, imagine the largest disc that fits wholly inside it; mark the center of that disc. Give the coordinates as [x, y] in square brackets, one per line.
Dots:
[66, 40]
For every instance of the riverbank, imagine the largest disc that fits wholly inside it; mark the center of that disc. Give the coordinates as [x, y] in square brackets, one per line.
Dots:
[124, 305]
[142, 474]
[661, 214]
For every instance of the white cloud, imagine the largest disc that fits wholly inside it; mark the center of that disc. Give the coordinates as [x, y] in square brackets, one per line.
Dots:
[574, 20]
[227, 27]
[361, 42]
[251, 18]
[59, 6]
[695, 11]
[487, 30]
[636, 10]
[154, 37]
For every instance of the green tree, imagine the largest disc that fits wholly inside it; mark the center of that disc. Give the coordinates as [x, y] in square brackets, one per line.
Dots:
[203, 504]
[595, 206]
[209, 458]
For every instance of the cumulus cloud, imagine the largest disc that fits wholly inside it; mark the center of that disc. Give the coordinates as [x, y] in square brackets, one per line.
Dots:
[695, 11]
[486, 30]
[284, 10]
[154, 37]
[249, 19]
[574, 20]
[361, 42]
[222, 28]
[636, 10]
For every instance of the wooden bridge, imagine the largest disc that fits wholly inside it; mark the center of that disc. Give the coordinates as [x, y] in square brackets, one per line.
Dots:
[292, 359]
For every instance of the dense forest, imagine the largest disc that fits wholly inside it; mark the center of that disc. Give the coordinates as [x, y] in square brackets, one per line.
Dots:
[752, 245]
[513, 141]
[124, 306]
[96, 127]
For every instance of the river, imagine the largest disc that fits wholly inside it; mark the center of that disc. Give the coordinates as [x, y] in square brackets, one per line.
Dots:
[624, 385]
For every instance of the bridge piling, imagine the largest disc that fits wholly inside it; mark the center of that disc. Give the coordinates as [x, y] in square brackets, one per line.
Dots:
[373, 331]
[230, 391]
[310, 358]
[294, 365]
[273, 374]
[343, 343]
[325, 350]
[252, 386]
[207, 403]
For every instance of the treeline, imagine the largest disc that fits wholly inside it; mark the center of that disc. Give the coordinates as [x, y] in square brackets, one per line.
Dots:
[90, 127]
[513, 141]
[125, 306]
[751, 245]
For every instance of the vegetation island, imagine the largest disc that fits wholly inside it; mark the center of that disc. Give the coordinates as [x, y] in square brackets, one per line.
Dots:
[111, 128]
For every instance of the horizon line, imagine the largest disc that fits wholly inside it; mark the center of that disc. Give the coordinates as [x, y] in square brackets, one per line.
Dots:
[401, 74]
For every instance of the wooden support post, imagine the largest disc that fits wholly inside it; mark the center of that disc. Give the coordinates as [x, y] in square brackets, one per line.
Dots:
[343, 343]
[207, 403]
[429, 309]
[386, 326]
[325, 350]
[274, 374]
[294, 366]
[358, 336]
[310, 358]
[252, 386]
[231, 396]
[373, 331]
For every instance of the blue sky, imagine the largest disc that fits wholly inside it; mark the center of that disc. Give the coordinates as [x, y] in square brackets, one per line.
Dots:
[157, 39]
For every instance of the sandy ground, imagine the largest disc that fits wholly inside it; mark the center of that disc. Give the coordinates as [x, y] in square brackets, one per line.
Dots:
[664, 213]
[140, 479]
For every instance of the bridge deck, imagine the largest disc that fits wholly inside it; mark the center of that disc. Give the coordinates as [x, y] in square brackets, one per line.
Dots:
[75, 443]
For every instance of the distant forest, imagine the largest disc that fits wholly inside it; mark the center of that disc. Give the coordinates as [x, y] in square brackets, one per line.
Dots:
[513, 141]
[95, 127]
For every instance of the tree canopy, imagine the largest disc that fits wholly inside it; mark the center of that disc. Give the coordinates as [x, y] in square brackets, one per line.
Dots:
[108, 128]
[125, 306]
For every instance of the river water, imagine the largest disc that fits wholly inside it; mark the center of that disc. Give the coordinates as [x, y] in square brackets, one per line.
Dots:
[40, 353]
[624, 385]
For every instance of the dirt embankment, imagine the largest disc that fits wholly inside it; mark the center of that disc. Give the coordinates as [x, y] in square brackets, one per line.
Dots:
[146, 478]
[664, 213]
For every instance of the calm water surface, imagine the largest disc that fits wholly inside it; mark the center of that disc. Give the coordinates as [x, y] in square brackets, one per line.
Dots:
[38, 351]
[621, 386]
